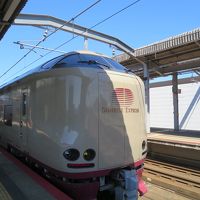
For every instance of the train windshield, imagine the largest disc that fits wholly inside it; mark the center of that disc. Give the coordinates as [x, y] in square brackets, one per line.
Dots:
[88, 60]
[104, 61]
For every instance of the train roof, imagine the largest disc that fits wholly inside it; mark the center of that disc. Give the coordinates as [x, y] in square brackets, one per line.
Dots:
[89, 52]
[50, 63]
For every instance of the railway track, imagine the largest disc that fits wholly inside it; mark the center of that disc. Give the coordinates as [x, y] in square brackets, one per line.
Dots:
[179, 179]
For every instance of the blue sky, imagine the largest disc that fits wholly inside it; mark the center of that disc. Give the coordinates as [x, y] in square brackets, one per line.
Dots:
[146, 22]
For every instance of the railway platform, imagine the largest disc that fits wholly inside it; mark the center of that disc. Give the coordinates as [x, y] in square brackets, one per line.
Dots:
[188, 139]
[180, 147]
[18, 182]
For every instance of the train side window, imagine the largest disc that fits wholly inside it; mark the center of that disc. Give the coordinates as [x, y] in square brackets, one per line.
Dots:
[8, 115]
[1, 113]
[24, 102]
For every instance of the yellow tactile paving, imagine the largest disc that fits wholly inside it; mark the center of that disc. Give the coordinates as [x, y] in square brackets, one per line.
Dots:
[4, 194]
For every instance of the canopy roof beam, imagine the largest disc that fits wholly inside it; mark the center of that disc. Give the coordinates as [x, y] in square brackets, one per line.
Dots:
[44, 20]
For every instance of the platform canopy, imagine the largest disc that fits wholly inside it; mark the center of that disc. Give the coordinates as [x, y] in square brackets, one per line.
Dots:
[174, 54]
[9, 9]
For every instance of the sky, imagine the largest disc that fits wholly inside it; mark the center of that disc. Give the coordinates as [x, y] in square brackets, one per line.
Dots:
[146, 22]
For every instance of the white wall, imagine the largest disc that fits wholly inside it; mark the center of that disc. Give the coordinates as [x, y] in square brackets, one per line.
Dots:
[189, 106]
[161, 106]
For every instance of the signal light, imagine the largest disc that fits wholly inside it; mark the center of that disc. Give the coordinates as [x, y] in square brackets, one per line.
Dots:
[89, 154]
[71, 154]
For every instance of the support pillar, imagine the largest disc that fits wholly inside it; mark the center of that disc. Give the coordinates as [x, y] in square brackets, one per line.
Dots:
[175, 101]
[85, 43]
[147, 98]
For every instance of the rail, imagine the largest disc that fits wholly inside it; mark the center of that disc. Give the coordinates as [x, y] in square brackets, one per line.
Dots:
[182, 180]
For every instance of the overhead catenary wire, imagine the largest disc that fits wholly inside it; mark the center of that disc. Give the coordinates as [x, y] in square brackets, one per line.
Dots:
[116, 13]
[74, 37]
[47, 36]
[102, 21]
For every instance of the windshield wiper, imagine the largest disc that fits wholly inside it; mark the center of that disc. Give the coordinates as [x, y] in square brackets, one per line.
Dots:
[90, 62]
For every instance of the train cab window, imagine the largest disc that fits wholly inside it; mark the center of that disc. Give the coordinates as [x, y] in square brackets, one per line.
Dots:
[102, 62]
[51, 63]
[69, 61]
[24, 102]
[8, 115]
[115, 65]
[89, 60]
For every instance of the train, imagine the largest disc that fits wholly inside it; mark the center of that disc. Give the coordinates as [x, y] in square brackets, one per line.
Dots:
[80, 118]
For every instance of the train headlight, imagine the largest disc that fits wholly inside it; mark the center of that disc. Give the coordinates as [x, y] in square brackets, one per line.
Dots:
[89, 154]
[71, 154]
[143, 144]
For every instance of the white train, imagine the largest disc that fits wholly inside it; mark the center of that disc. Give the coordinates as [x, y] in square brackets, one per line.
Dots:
[80, 117]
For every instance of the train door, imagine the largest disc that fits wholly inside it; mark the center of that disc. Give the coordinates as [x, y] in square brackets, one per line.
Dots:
[23, 119]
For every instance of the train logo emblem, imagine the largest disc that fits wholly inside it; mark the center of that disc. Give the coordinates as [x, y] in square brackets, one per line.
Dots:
[122, 97]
